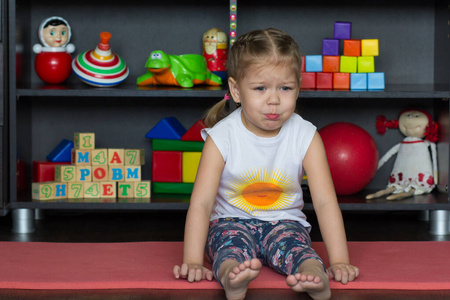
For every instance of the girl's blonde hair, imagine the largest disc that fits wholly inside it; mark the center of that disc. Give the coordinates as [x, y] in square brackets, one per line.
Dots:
[259, 47]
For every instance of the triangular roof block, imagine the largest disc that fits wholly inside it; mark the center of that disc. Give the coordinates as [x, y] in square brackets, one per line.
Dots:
[168, 128]
[62, 152]
[194, 133]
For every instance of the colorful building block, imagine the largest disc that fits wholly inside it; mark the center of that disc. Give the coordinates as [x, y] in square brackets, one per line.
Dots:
[369, 47]
[330, 47]
[331, 64]
[116, 173]
[358, 81]
[142, 189]
[308, 81]
[168, 128]
[75, 190]
[375, 81]
[108, 189]
[177, 145]
[349, 64]
[172, 187]
[91, 189]
[352, 47]
[66, 173]
[194, 133]
[84, 140]
[341, 81]
[342, 30]
[116, 157]
[133, 173]
[100, 173]
[84, 173]
[324, 81]
[302, 69]
[42, 191]
[190, 166]
[60, 190]
[62, 152]
[125, 189]
[99, 157]
[81, 157]
[366, 64]
[44, 171]
[134, 157]
[167, 166]
[313, 63]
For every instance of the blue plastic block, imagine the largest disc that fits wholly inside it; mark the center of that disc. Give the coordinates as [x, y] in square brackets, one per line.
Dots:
[358, 81]
[342, 30]
[168, 128]
[375, 81]
[330, 47]
[313, 63]
[62, 152]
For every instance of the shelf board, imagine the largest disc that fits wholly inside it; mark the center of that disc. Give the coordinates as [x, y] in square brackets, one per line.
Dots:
[434, 201]
[130, 90]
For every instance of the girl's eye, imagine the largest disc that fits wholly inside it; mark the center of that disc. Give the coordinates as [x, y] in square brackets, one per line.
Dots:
[260, 88]
[285, 88]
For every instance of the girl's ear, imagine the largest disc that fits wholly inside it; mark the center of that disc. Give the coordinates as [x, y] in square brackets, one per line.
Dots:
[234, 89]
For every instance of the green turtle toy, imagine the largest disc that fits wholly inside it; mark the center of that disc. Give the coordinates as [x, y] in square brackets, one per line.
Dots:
[181, 70]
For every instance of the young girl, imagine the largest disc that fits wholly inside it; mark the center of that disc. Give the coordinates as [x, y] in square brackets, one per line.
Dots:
[247, 198]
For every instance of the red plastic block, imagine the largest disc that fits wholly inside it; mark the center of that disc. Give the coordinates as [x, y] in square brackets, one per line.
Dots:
[193, 134]
[330, 64]
[308, 81]
[167, 166]
[45, 170]
[303, 64]
[352, 47]
[341, 81]
[324, 81]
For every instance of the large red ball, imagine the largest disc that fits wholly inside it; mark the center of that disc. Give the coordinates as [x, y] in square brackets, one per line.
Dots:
[53, 67]
[352, 156]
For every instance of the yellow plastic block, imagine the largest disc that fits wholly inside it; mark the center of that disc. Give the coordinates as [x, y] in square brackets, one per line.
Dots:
[100, 157]
[84, 140]
[369, 47]
[134, 157]
[190, 166]
[65, 173]
[366, 64]
[142, 189]
[75, 190]
[348, 64]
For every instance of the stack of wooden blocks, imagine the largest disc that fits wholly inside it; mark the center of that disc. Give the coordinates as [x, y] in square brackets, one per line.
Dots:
[96, 173]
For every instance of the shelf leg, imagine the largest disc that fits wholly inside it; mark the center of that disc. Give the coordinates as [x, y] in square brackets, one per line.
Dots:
[439, 222]
[23, 220]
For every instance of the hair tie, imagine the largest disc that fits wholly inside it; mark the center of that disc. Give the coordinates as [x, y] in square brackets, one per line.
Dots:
[227, 96]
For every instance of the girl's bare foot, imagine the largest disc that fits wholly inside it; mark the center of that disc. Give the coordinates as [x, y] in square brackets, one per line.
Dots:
[235, 277]
[311, 279]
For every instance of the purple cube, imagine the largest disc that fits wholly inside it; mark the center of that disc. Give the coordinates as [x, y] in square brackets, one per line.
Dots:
[342, 30]
[330, 47]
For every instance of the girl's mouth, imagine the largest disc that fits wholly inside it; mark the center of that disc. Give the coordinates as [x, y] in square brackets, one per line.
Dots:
[272, 116]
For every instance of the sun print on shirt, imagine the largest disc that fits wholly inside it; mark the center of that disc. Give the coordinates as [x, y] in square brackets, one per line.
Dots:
[262, 189]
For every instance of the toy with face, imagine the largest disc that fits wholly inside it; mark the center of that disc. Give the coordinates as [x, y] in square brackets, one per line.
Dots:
[215, 51]
[414, 171]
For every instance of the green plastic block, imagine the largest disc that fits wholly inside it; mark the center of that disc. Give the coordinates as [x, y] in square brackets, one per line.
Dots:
[177, 145]
[366, 64]
[349, 64]
[173, 187]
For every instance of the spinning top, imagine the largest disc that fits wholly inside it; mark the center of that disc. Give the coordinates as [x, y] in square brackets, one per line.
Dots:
[100, 67]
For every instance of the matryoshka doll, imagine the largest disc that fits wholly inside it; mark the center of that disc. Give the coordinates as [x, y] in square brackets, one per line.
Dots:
[53, 59]
[215, 51]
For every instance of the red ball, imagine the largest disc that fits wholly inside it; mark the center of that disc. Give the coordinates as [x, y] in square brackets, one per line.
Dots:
[352, 156]
[53, 67]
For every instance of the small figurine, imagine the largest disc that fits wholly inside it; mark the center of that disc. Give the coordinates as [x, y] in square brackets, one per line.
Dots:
[53, 59]
[215, 51]
[100, 67]
[415, 169]
[180, 70]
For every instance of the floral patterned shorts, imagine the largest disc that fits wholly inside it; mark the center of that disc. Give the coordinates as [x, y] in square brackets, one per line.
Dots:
[281, 245]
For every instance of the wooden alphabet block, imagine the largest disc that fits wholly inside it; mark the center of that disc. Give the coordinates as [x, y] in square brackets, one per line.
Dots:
[132, 173]
[60, 190]
[100, 173]
[142, 189]
[116, 157]
[134, 157]
[42, 190]
[116, 173]
[125, 189]
[84, 173]
[84, 140]
[65, 173]
[108, 189]
[91, 189]
[75, 190]
[81, 157]
[100, 157]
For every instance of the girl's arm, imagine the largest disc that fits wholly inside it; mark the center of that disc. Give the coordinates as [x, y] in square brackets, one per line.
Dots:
[197, 221]
[328, 212]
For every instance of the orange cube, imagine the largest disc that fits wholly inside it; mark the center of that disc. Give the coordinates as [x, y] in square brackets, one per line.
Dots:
[352, 47]
[330, 64]
[341, 81]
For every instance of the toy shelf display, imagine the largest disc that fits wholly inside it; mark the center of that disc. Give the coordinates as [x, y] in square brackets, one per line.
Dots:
[354, 70]
[91, 173]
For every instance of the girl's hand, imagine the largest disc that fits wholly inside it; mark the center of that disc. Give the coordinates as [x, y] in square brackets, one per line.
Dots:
[343, 272]
[192, 272]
